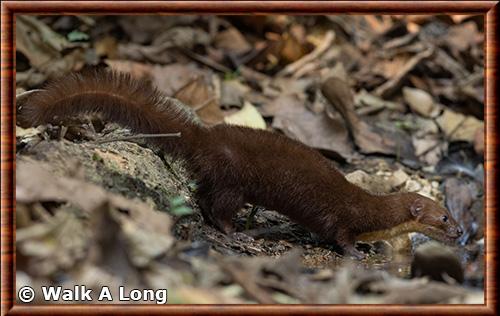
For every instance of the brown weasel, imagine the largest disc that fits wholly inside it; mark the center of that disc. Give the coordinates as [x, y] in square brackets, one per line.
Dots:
[235, 165]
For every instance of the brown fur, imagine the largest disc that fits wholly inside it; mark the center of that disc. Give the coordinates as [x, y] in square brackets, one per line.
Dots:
[235, 165]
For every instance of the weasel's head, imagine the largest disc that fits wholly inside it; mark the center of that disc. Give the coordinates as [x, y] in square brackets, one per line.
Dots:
[435, 220]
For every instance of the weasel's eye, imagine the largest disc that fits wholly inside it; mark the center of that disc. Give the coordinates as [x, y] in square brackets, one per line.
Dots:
[444, 218]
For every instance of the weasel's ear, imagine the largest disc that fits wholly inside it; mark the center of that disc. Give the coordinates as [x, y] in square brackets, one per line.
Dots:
[416, 207]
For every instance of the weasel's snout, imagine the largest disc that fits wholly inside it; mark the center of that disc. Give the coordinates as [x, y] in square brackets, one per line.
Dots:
[455, 232]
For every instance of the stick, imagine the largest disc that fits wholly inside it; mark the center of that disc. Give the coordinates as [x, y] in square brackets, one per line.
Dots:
[125, 138]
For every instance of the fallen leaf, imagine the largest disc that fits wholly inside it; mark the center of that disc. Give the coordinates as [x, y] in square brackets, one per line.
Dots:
[181, 36]
[457, 126]
[369, 103]
[232, 92]
[199, 96]
[46, 187]
[135, 69]
[429, 149]
[369, 138]
[292, 49]
[44, 48]
[463, 36]
[292, 68]
[315, 130]
[248, 116]
[171, 78]
[144, 29]
[421, 102]
[37, 41]
[232, 41]
[389, 68]
[142, 53]
[106, 46]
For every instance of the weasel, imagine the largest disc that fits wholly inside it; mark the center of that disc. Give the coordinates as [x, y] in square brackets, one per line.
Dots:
[235, 165]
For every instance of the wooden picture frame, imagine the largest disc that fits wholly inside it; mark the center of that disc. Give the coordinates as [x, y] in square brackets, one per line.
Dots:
[11, 8]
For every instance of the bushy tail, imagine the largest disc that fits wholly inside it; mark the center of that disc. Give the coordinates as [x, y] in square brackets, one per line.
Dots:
[118, 98]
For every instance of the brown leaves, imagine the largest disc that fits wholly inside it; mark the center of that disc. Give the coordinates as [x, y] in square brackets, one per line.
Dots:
[202, 99]
[64, 238]
[462, 37]
[368, 138]
[457, 126]
[294, 67]
[316, 130]
[47, 51]
[232, 41]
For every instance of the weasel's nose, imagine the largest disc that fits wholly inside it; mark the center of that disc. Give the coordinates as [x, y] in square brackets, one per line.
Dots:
[459, 231]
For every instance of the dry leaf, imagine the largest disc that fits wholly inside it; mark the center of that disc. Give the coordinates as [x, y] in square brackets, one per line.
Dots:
[135, 69]
[457, 126]
[421, 102]
[44, 48]
[369, 138]
[248, 116]
[199, 96]
[315, 130]
[463, 36]
[171, 78]
[232, 41]
[232, 92]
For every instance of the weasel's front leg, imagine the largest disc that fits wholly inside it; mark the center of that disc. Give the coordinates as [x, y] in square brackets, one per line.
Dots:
[351, 251]
[225, 204]
[347, 240]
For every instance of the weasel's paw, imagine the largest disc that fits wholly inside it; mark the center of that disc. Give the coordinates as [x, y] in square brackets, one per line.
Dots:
[354, 253]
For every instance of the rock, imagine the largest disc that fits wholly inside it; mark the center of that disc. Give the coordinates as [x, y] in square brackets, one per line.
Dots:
[371, 183]
[438, 262]
[413, 186]
[398, 178]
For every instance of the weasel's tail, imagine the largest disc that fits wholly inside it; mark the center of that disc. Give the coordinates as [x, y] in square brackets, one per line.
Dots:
[118, 98]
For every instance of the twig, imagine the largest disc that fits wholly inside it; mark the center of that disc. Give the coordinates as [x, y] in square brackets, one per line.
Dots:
[206, 61]
[391, 85]
[318, 51]
[204, 104]
[125, 138]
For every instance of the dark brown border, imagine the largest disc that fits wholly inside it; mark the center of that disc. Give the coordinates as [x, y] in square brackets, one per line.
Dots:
[10, 8]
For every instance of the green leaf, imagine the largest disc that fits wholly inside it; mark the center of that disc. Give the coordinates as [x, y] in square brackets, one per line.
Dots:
[178, 206]
[182, 210]
[77, 36]
[177, 201]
